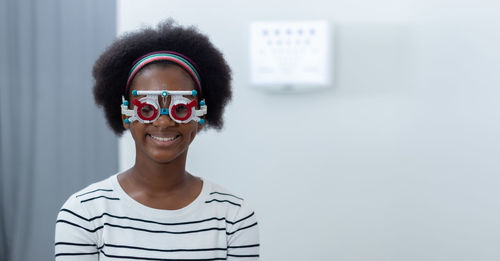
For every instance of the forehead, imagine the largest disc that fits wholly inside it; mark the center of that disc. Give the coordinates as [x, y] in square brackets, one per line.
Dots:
[157, 76]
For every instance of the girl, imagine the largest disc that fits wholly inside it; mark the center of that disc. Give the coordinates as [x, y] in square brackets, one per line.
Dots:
[163, 85]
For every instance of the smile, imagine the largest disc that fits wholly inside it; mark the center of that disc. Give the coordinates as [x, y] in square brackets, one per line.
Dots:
[163, 138]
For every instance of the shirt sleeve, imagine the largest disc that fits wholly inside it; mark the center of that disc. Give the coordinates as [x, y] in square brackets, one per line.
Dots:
[243, 236]
[75, 237]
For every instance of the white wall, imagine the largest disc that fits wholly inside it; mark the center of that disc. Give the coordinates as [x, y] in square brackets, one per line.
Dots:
[397, 161]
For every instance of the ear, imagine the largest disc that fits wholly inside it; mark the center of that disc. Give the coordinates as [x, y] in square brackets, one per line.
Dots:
[126, 126]
[200, 126]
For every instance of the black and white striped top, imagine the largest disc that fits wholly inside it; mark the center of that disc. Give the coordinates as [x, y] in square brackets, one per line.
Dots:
[102, 222]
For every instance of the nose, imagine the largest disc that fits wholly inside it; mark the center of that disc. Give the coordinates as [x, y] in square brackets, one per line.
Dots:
[164, 121]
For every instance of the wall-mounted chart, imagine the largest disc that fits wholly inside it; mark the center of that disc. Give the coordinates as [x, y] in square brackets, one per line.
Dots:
[290, 55]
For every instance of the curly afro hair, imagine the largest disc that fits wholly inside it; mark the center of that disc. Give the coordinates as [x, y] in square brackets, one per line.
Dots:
[111, 70]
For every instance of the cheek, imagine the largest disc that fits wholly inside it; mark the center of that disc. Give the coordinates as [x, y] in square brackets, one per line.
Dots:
[193, 130]
[136, 130]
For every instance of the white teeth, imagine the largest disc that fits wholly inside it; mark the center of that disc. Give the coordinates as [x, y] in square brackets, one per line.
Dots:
[162, 139]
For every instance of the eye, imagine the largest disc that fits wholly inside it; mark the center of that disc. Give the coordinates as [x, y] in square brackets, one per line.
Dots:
[181, 111]
[147, 110]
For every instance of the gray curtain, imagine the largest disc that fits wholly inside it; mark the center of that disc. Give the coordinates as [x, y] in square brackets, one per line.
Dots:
[53, 139]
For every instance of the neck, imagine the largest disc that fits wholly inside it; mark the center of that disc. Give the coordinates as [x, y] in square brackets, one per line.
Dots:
[160, 178]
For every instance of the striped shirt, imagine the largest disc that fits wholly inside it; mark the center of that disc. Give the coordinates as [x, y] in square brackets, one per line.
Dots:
[102, 222]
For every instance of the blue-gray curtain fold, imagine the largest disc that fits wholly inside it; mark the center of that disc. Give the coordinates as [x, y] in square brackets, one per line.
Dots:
[53, 139]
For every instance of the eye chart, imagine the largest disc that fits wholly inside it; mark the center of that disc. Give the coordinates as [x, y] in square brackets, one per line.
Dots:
[290, 55]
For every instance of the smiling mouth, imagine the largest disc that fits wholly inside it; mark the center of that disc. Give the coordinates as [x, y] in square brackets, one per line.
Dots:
[164, 139]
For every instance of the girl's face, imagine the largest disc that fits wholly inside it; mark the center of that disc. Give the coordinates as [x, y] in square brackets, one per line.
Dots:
[163, 140]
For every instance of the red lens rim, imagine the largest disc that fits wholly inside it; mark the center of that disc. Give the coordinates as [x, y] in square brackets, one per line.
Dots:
[189, 107]
[139, 105]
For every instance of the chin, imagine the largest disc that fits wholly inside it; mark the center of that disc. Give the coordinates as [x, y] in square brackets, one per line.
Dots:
[167, 157]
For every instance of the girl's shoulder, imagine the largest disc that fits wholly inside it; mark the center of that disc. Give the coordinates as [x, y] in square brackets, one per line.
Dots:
[241, 221]
[218, 193]
[95, 193]
[234, 205]
[100, 188]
